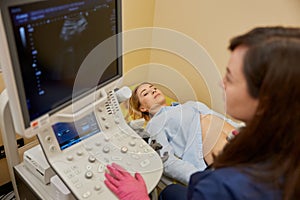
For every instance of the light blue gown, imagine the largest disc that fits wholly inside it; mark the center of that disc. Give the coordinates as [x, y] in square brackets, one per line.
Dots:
[177, 128]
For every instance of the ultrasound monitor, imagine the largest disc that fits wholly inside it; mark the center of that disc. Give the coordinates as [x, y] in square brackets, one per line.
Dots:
[43, 46]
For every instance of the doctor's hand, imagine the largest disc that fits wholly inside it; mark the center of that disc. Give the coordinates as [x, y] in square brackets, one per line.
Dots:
[125, 186]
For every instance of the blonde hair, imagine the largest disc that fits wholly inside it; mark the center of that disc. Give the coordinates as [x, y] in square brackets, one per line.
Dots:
[134, 105]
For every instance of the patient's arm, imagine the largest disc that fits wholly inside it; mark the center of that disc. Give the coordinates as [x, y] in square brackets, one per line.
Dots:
[214, 133]
[174, 167]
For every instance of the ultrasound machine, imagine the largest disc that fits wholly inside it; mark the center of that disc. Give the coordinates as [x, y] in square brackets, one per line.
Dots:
[62, 62]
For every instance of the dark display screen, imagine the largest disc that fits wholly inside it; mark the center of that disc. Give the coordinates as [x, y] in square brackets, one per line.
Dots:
[52, 39]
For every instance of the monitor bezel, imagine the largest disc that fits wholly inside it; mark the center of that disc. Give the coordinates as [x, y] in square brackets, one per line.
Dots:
[12, 73]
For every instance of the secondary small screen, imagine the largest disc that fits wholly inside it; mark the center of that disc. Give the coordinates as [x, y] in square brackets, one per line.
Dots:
[70, 133]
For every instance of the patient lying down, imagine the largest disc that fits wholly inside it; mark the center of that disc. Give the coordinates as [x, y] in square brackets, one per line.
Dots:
[190, 133]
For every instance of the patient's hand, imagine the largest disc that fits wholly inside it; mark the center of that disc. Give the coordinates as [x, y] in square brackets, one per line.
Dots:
[214, 133]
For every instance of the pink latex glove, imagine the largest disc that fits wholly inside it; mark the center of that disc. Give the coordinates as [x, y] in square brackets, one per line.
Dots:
[125, 186]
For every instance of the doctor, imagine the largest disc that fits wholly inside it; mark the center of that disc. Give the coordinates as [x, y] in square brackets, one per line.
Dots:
[262, 161]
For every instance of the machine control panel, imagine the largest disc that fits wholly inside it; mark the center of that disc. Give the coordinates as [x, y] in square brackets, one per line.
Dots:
[80, 147]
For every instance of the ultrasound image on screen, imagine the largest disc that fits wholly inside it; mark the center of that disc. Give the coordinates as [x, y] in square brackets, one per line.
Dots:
[70, 133]
[53, 38]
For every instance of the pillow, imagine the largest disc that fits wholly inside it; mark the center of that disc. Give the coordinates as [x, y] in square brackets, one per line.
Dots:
[125, 105]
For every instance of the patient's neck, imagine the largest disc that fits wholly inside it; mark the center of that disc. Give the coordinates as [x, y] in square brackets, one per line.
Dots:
[155, 108]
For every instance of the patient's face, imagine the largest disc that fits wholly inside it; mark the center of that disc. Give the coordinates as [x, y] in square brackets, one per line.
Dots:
[150, 97]
[239, 103]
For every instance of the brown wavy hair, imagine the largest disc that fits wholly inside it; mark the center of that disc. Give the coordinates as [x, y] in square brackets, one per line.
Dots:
[260, 34]
[269, 144]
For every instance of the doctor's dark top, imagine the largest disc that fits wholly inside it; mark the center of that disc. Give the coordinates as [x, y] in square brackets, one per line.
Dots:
[228, 184]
